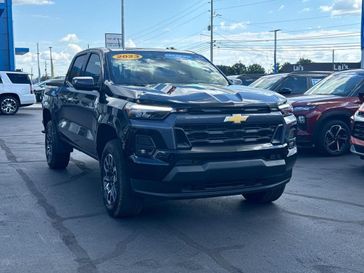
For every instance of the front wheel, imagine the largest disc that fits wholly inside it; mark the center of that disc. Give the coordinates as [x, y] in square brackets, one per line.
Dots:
[334, 138]
[9, 105]
[119, 199]
[266, 196]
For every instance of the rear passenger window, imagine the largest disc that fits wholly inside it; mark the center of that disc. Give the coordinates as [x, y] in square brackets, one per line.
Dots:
[18, 78]
[77, 66]
[93, 68]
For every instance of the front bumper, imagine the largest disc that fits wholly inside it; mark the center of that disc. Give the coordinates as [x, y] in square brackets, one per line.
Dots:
[202, 173]
[357, 147]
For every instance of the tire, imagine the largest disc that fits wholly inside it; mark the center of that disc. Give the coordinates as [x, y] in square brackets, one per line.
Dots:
[57, 156]
[265, 197]
[334, 138]
[9, 105]
[119, 199]
[38, 97]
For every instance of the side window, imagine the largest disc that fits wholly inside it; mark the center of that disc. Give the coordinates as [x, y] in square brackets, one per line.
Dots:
[1, 81]
[298, 85]
[315, 81]
[77, 66]
[93, 68]
[18, 78]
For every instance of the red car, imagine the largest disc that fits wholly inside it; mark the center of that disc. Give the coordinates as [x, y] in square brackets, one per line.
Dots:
[357, 134]
[324, 112]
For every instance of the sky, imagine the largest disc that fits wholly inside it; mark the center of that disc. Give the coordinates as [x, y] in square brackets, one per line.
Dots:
[309, 29]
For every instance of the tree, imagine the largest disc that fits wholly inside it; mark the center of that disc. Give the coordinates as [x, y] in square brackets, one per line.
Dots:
[285, 67]
[303, 61]
[239, 68]
[255, 69]
[227, 70]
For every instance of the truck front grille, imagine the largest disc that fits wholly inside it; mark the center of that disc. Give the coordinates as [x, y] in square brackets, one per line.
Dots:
[358, 131]
[230, 134]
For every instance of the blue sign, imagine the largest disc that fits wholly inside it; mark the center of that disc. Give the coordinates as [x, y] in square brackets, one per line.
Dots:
[7, 52]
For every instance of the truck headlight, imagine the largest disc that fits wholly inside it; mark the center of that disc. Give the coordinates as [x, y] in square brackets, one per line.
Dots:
[286, 109]
[151, 112]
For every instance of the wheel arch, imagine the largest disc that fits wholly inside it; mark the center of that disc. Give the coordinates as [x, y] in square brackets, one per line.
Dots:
[10, 94]
[105, 133]
[343, 115]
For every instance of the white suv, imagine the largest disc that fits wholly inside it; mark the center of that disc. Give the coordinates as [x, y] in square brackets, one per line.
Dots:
[15, 91]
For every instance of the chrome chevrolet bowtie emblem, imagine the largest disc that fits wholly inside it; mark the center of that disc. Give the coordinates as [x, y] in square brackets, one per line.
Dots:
[237, 119]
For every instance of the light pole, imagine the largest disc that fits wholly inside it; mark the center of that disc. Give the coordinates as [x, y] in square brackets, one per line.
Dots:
[122, 25]
[38, 63]
[51, 57]
[275, 50]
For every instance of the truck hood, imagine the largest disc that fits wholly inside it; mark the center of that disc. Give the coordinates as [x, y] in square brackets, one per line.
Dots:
[197, 94]
[306, 99]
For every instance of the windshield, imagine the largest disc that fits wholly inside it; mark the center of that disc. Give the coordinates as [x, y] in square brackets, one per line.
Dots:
[267, 82]
[337, 84]
[147, 68]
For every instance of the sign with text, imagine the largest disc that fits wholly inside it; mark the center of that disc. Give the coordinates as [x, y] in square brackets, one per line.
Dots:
[113, 40]
[320, 67]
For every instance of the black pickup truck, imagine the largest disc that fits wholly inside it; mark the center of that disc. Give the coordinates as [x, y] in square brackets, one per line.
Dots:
[167, 123]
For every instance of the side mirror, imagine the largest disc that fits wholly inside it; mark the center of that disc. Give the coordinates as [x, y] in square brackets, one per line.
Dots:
[236, 81]
[285, 91]
[361, 96]
[84, 83]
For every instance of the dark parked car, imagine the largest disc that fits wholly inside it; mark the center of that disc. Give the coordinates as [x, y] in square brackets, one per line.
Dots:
[357, 135]
[168, 124]
[290, 84]
[324, 112]
[246, 79]
[40, 88]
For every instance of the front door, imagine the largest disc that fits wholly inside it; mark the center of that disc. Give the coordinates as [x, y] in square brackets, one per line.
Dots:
[78, 116]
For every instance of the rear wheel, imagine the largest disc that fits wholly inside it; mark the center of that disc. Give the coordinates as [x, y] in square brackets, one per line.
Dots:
[266, 196]
[119, 199]
[334, 138]
[57, 158]
[9, 105]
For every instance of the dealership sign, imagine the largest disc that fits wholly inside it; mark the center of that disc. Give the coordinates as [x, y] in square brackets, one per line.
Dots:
[113, 40]
[320, 67]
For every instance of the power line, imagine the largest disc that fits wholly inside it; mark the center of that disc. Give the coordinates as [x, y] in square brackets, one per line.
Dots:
[179, 25]
[170, 20]
[247, 4]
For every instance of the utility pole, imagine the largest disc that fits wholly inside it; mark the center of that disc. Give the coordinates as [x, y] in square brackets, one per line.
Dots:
[275, 50]
[39, 75]
[212, 32]
[51, 57]
[333, 59]
[45, 69]
[122, 25]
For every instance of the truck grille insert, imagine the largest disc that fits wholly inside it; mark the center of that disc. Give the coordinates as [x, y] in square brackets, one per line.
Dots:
[229, 134]
[358, 131]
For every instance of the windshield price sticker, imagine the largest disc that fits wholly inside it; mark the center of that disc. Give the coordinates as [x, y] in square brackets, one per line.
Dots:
[127, 57]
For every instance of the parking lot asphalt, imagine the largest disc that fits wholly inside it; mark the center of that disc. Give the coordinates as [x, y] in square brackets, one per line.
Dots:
[54, 221]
